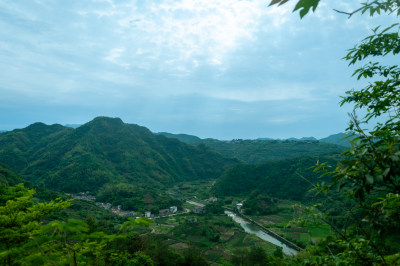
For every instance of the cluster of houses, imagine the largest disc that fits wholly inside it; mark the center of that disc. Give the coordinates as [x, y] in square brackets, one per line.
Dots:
[162, 212]
[117, 209]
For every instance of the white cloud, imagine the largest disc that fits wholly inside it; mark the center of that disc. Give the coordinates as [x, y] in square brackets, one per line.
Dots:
[198, 30]
[114, 55]
[278, 92]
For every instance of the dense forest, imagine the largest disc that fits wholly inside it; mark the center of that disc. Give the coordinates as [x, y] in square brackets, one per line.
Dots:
[258, 151]
[284, 179]
[104, 151]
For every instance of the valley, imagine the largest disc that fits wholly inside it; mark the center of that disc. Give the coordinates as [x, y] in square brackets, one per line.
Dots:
[181, 197]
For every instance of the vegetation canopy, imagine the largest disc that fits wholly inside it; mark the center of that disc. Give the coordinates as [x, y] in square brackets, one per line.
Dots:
[370, 172]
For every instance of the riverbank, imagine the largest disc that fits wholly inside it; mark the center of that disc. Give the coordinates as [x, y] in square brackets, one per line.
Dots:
[271, 233]
[265, 235]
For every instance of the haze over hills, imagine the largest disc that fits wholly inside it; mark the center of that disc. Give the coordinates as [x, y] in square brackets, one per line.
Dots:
[104, 151]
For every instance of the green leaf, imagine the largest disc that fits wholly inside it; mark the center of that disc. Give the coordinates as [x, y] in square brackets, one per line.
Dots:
[370, 179]
[304, 6]
[280, 2]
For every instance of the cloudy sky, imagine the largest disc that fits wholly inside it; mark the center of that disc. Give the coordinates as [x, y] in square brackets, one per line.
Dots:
[223, 68]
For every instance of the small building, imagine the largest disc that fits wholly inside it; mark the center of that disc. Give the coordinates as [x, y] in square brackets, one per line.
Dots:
[147, 214]
[173, 209]
[164, 212]
[239, 205]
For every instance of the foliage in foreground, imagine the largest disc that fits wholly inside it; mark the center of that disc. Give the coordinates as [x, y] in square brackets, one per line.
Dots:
[370, 172]
[26, 238]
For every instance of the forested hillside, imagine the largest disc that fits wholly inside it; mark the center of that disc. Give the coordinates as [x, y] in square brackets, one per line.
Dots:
[281, 179]
[262, 150]
[104, 151]
[257, 151]
[342, 139]
[9, 177]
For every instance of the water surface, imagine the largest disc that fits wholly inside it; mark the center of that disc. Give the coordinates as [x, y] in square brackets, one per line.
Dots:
[253, 229]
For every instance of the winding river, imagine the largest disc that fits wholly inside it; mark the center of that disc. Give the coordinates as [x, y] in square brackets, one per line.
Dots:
[252, 229]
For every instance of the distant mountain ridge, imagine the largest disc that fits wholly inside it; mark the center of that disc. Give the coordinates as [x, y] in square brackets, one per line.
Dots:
[181, 137]
[303, 138]
[104, 151]
[341, 139]
[262, 150]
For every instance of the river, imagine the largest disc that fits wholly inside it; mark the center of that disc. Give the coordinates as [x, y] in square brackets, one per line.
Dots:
[252, 229]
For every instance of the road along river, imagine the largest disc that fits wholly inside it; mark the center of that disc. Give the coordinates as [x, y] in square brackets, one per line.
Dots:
[253, 229]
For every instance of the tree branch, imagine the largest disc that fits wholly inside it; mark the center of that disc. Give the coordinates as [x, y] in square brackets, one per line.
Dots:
[350, 14]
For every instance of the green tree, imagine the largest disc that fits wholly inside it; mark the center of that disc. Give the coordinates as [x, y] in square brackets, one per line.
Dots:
[249, 257]
[239, 256]
[370, 172]
[374, 7]
[278, 252]
[137, 259]
[72, 243]
[214, 207]
[20, 221]
[257, 256]
[192, 257]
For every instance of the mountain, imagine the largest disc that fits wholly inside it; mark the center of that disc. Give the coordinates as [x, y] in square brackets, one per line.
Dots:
[303, 138]
[262, 150]
[189, 139]
[104, 151]
[284, 179]
[257, 151]
[342, 139]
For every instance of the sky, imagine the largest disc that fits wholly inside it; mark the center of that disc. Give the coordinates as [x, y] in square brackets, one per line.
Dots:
[225, 69]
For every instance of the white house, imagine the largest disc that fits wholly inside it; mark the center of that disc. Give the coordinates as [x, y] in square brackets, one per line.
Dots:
[173, 209]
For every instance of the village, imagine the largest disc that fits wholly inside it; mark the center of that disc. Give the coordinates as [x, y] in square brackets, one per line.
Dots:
[118, 210]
